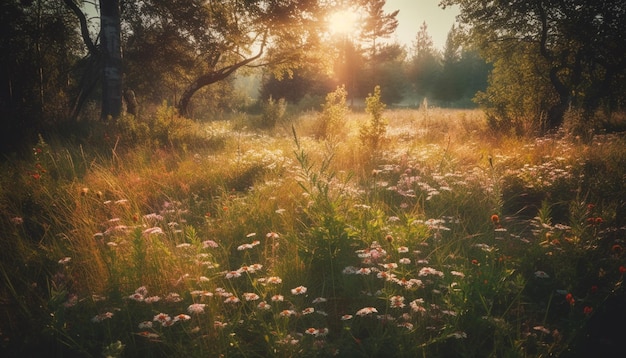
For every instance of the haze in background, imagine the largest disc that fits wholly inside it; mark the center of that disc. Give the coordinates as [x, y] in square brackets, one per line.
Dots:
[414, 12]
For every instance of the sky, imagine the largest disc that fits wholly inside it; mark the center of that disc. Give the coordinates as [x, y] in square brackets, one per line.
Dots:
[414, 12]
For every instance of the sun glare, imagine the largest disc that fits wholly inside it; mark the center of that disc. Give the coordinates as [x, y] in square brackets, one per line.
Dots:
[343, 22]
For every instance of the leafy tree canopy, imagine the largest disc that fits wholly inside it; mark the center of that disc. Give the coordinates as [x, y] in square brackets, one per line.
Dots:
[580, 41]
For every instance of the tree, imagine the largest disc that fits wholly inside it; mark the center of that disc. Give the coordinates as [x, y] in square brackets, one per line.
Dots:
[106, 57]
[425, 66]
[37, 51]
[213, 39]
[377, 24]
[580, 42]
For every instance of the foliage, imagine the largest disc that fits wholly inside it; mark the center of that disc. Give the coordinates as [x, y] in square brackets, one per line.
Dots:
[578, 43]
[334, 112]
[373, 132]
[273, 112]
[518, 96]
[457, 243]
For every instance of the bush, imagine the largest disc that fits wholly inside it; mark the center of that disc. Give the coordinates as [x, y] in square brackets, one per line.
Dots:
[334, 112]
[372, 133]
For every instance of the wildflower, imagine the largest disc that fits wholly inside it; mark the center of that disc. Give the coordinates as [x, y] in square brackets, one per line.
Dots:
[209, 244]
[298, 290]
[622, 270]
[587, 310]
[364, 271]
[541, 274]
[385, 275]
[346, 317]
[219, 324]
[153, 217]
[323, 332]
[457, 273]
[101, 317]
[278, 298]
[173, 297]
[196, 308]
[312, 331]
[397, 302]
[495, 219]
[407, 283]
[366, 311]
[570, 299]
[406, 325]
[232, 299]
[182, 317]
[427, 271]
[263, 306]
[162, 317]
[72, 300]
[145, 324]
[183, 245]
[65, 260]
[405, 261]
[287, 313]
[403, 249]
[255, 267]
[17, 220]
[151, 336]
[389, 238]
[233, 274]
[136, 297]
[272, 235]
[475, 262]
[152, 299]
[616, 249]
[153, 230]
[389, 266]
[244, 247]
[542, 329]
[201, 293]
[417, 305]
[275, 280]
[250, 296]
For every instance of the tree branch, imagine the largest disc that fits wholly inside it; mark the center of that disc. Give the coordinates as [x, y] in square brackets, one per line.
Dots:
[84, 29]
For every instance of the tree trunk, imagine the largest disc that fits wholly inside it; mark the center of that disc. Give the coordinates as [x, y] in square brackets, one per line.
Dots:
[110, 29]
[556, 113]
[210, 78]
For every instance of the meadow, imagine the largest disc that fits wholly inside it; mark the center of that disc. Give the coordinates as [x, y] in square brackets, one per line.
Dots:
[425, 234]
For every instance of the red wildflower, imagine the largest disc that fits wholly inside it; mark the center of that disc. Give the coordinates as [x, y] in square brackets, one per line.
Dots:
[616, 248]
[598, 220]
[495, 218]
[570, 299]
[587, 310]
[622, 270]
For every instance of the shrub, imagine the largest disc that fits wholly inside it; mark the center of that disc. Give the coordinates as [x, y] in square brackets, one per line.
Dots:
[273, 112]
[372, 133]
[334, 112]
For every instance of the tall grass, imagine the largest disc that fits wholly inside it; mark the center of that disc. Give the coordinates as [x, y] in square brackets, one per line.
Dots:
[232, 241]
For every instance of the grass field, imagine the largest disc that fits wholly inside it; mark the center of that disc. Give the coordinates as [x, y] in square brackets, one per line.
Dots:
[173, 238]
